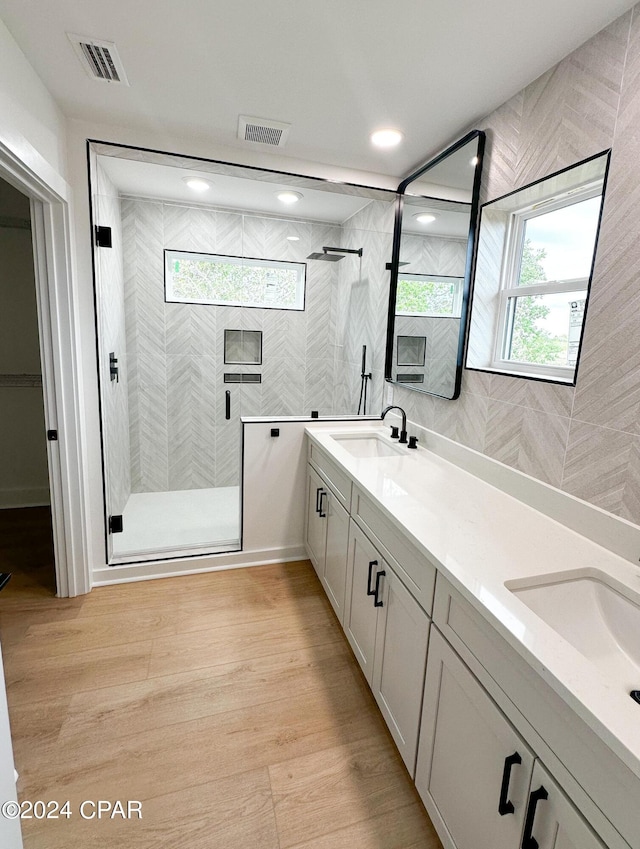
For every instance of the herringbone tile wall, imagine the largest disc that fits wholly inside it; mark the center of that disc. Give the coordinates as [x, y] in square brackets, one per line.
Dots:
[362, 305]
[115, 400]
[584, 440]
[178, 436]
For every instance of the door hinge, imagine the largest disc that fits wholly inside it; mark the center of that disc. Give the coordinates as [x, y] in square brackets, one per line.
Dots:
[52, 435]
[103, 237]
[115, 524]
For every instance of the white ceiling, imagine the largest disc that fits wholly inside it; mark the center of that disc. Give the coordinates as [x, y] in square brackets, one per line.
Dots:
[334, 69]
[165, 182]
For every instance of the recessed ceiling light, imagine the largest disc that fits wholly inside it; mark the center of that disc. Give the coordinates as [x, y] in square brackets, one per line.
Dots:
[289, 197]
[424, 217]
[293, 238]
[198, 184]
[386, 138]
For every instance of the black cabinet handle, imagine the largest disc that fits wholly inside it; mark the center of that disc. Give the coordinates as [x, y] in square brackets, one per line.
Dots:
[227, 404]
[378, 601]
[320, 513]
[504, 805]
[318, 491]
[372, 563]
[528, 840]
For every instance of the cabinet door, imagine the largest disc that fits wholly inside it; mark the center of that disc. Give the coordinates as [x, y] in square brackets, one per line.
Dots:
[316, 529]
[552, 822]
[360, 615]
[334, 576]
[473, 769]
[399, 664]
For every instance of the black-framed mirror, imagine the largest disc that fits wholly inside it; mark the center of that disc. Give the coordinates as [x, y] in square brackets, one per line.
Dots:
[433, 245]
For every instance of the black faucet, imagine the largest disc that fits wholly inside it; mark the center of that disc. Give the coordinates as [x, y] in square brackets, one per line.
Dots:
[403, 432]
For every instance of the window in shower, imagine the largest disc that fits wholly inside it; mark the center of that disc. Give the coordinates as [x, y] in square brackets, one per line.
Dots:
[198, 278]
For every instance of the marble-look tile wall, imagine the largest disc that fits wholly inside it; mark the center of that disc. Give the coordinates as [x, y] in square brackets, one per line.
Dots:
[362, 300]
[441, 351]
[115, 400]
[584, 440]
[178, 432]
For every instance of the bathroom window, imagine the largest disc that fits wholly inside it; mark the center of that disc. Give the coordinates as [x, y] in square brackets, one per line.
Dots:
[196, 278]
[548, 261]
[429, 295]
[536, 252]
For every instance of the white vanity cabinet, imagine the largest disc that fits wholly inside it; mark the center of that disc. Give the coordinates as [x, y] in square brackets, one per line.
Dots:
[365, 570]
[386, 626]
[389, 634]
[504, 752]
[481, 783]
[553, 822]
[473, 769]
[327, 534]
[316, 528]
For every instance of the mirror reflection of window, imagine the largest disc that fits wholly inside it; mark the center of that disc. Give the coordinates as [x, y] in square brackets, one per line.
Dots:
[429, 295]
[536, 251]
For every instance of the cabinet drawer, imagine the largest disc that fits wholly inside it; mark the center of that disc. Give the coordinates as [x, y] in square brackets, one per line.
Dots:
[417, 573]
[331, 473]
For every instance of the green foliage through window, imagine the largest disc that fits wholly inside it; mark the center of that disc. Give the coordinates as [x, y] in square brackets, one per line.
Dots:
[530, 341]
[428, 295]
[234, 281]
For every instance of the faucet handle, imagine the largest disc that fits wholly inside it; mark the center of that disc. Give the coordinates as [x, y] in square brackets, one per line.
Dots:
[395, 433]
[413, 442]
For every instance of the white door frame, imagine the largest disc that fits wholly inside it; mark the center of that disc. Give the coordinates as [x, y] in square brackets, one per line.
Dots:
[28, 172]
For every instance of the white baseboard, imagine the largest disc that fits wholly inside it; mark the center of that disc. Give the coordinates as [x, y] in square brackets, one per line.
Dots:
[37, 496]
[193, 566]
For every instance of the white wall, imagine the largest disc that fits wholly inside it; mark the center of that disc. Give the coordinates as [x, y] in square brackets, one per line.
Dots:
[29, 113]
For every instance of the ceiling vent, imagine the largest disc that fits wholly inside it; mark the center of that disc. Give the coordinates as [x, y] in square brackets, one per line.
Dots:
[100, 59]
[261, 131]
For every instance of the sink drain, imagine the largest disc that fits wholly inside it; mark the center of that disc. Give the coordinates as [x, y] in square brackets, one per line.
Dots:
[635, 695]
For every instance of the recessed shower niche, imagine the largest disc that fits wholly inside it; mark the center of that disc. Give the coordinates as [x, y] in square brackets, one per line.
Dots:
[411, 350]
[216, 309]
[243, 347]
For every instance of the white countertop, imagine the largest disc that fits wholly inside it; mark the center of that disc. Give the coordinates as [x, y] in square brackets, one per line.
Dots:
[479, 537]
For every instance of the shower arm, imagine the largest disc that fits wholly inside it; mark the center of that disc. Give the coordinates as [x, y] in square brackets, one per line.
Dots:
[357, 251]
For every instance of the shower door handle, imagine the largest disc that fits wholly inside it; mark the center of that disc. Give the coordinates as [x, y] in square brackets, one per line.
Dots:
[227, 404]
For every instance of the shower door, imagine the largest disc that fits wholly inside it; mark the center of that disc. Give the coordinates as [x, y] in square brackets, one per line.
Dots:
[171, 430]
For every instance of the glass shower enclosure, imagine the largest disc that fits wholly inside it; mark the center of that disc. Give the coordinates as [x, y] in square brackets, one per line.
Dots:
[209, 311]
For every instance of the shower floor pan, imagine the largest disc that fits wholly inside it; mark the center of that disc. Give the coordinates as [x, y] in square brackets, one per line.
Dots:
[179, 521]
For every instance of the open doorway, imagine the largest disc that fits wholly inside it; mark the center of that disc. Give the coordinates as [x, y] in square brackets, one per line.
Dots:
[26, 536]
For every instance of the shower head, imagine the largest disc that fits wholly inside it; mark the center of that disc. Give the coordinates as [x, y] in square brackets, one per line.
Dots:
[334, 254]
[326, 257]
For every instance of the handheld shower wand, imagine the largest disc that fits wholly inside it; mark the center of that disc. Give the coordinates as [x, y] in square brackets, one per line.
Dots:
[364, 377]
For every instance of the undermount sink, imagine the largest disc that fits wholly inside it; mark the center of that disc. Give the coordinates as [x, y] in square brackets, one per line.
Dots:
[367, 445]
[599, 616]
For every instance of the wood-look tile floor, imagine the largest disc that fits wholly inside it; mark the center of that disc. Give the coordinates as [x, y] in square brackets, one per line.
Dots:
[228, 703]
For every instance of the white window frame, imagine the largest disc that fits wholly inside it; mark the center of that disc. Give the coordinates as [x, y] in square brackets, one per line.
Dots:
[220, 259]
[510, 290]
[437, 278]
